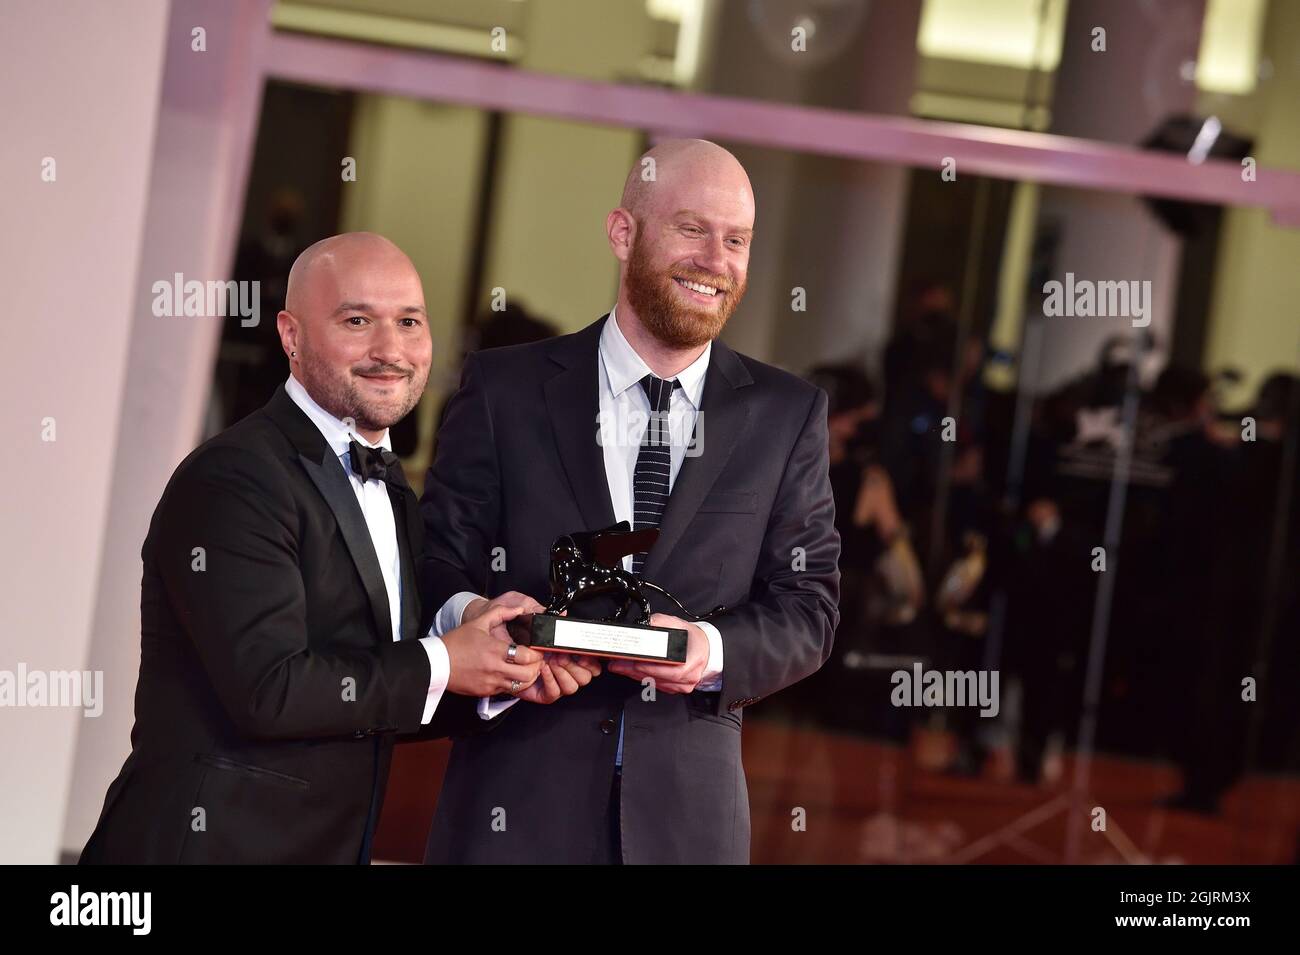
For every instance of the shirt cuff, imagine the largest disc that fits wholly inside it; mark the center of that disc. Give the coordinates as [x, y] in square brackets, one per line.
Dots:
[711, 681]
[439, 675]
[490, 707]
[449, 616]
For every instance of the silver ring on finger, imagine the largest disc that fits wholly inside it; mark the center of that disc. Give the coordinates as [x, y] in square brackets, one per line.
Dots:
[514, 686]
[511, 652]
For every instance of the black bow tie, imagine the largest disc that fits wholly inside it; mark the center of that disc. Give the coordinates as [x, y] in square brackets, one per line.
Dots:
[375, 464]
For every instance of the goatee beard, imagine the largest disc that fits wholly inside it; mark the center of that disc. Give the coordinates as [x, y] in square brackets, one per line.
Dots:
[339, 394]
[660, 309]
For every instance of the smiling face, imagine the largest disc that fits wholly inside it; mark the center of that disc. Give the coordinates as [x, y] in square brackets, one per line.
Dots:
[684, 239]
[355, 317]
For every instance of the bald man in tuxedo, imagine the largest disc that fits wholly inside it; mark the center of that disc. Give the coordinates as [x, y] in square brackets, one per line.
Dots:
[283, 644]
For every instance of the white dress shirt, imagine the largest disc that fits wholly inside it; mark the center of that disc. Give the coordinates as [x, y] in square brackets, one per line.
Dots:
[624, 411]
[377, 508]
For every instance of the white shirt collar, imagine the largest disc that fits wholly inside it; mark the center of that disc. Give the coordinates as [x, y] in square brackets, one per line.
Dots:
[625, 368]
[336, 434]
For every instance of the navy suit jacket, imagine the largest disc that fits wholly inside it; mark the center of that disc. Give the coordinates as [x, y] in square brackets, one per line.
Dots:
[749, 525]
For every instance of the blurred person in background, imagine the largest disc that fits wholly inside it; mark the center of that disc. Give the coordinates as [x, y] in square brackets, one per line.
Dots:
[1182, 599]
[512, 325]
[933, 368]
[912, 448]
[1236, 517]
[883, 588]
[253, 363]
[925, 301]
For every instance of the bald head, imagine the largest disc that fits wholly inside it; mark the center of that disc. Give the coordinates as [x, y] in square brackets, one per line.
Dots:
[682, 232]
[663, 173]
[315, 271]
[355, 330]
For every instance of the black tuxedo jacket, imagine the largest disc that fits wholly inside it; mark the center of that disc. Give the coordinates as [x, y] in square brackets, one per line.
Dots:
[750, 524]
[270, 686]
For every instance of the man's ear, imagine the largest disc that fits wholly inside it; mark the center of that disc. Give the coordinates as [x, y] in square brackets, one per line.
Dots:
[620, 227]
[287, 325]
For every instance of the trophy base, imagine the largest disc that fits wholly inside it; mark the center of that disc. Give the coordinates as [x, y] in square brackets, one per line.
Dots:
[601, 638]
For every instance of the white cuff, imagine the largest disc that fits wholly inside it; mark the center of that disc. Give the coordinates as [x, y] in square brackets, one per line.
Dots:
[439, 674]
[489, 707]
[711, 681]
[449, 616]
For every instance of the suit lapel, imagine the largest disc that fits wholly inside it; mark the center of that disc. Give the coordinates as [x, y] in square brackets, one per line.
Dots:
[723, 417]
[406, 517]
[573, 403]
[328, 476]
[330, 479]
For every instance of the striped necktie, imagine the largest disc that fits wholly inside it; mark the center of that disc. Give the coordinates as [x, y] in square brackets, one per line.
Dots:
[653, 461]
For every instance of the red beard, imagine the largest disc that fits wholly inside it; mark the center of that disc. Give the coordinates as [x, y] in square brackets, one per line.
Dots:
[662, 311]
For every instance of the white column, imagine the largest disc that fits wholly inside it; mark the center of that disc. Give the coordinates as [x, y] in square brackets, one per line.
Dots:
[81, 86]
[1119, 95]
[197, 164]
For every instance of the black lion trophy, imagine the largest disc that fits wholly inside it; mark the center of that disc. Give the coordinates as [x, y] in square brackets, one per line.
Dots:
[589, 564]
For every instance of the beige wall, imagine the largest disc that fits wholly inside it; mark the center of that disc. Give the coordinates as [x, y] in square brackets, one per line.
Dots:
[557, 180]
[195, 167]
[419, 172]
[70, 252]
[1255, 315]
[1114, 236]
[831, 227]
